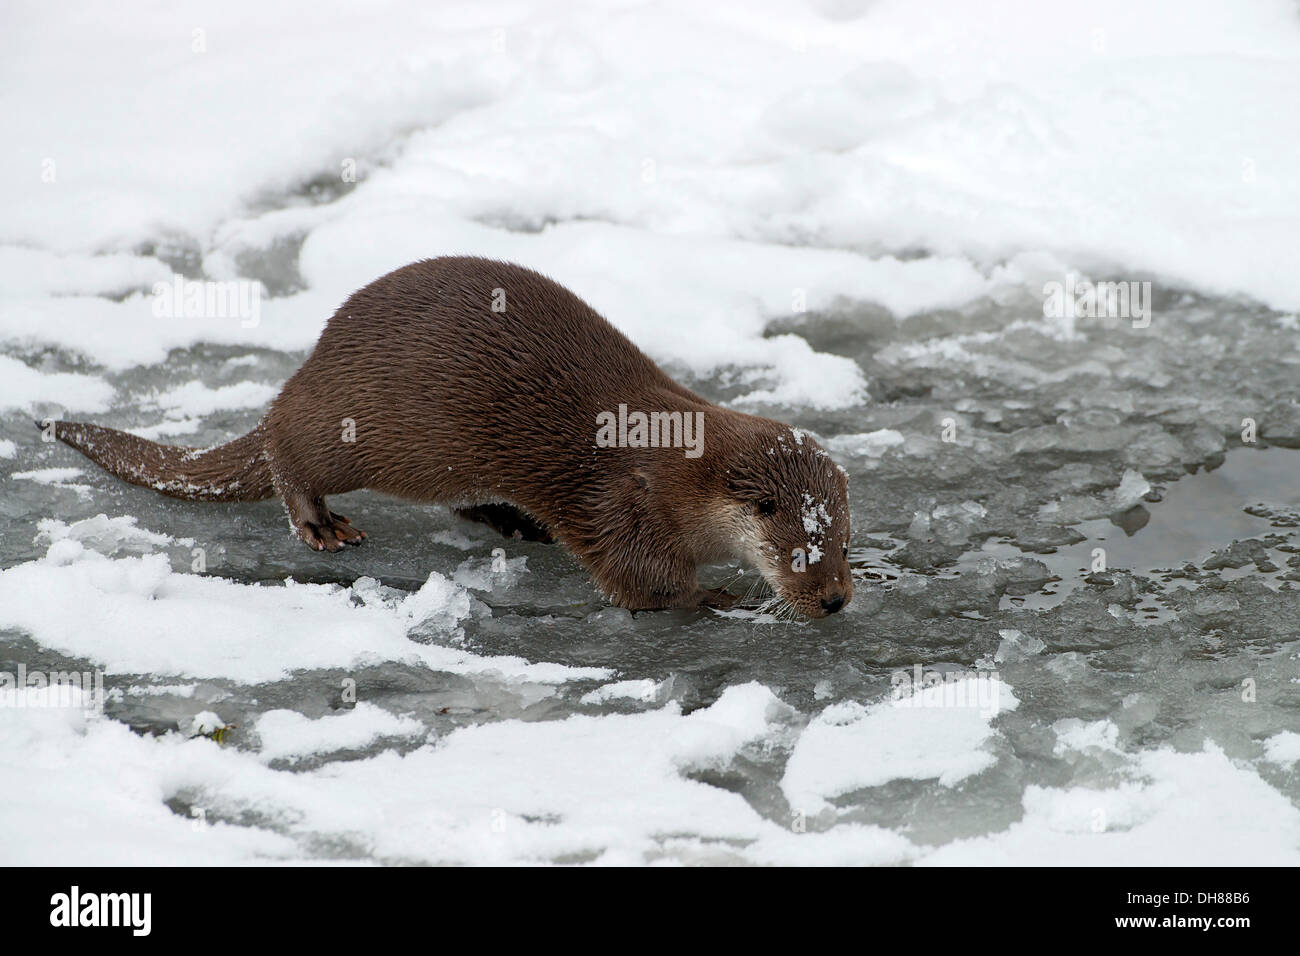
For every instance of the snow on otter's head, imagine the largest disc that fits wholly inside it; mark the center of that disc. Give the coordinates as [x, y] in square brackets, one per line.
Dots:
[790, 503]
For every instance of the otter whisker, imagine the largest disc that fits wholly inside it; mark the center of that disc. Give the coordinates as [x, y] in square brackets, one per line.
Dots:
[760, 595]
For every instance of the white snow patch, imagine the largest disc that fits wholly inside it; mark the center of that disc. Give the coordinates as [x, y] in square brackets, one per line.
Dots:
[135, 615]
[56, 478]
[205, 723]
[1181, 809]
[643, 690]
[1081, 735]
[48, 476]
[850, 745]
[1283, 748]
[289, 734]
[22, 387]
[101, 533]
[194, 399]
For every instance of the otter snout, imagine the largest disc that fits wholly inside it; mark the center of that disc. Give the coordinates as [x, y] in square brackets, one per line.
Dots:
[834, 598]
[831, 598]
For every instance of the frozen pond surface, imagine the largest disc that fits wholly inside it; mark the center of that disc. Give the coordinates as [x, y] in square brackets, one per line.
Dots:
[1126, 692]
[840, 214]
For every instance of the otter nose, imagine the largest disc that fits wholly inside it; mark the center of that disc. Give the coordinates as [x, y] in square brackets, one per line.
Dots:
[832, 604]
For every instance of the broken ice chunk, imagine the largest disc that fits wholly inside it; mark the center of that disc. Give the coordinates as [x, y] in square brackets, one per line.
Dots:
[1016, 646]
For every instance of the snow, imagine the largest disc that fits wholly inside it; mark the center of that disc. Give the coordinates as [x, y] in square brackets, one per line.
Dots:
[48, 476]
[645, 689]
[725, 182]
[1283, 748]
[286, 734]
[104, 534]
[197, 399]
[893, 128]
[99, 788]
[597, 788]
[1075, 734]
[137, 615]
[1183, 809]
[849, 746]
[23, 387]
[56, 478]
[205, 724]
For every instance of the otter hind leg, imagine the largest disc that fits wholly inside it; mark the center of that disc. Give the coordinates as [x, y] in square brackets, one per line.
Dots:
[320, 528]
[508, 521]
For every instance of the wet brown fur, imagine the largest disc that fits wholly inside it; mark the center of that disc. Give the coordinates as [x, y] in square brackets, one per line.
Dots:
[494, 413]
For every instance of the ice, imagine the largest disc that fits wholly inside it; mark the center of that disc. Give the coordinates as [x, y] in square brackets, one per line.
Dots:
[497, 573]
[873, 444]
[177, 690]
[1016, 645]
[842, 215]
[1132, 489]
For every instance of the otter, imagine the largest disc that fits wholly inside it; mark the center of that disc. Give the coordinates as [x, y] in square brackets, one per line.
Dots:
[491, 388]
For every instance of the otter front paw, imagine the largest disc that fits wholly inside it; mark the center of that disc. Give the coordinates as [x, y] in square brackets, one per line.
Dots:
[329, 534]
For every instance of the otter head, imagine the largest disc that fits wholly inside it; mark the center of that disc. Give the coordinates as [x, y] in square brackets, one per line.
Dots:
[788, 508]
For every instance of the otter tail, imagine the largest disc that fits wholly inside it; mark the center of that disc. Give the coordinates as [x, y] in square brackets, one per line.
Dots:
[236, 471]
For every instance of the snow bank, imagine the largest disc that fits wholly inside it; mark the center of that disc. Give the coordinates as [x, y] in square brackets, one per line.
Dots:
[597, 789]
[136, 615]
[693, 171]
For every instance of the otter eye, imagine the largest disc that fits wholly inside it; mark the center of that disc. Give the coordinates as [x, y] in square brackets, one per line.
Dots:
[767, 506]
[844, 551]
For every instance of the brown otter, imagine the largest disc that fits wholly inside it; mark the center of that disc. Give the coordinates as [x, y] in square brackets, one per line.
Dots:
[484, 385]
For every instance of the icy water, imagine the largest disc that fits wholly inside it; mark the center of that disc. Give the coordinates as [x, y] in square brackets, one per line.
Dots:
[1073, 510]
